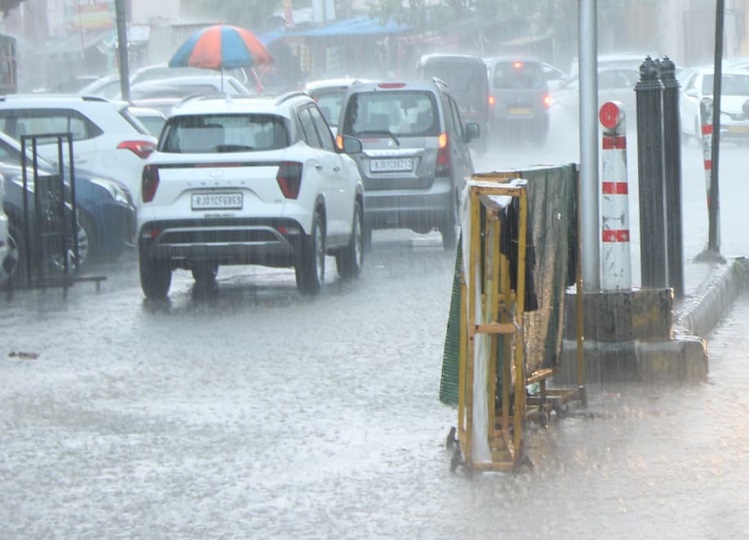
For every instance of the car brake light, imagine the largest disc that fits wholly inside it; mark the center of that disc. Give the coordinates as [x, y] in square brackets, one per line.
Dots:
[547, 101]
[339, 141]
[289, 178]
[149, 182]
[443, 155]
[517, 65]
[391, 85]
[491, 100]
[142, 149]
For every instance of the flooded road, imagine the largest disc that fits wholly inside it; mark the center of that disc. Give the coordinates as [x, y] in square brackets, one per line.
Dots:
[256, 413]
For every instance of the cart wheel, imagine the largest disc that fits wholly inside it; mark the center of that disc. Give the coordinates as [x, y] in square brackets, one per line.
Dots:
[455, 461]
[451, 438]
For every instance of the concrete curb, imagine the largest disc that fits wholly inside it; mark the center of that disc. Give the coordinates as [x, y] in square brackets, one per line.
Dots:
[700, 314]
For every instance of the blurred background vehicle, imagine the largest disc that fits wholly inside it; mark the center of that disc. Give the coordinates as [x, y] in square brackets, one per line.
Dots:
[519, 99]
[467, 82]
[614, 84]
[3, 223]
[734, 103]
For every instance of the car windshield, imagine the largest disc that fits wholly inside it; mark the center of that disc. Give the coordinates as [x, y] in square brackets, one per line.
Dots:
[220, 133]
[518, 76]
[402, 113]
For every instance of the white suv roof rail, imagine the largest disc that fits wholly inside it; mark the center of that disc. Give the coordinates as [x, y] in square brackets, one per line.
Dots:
[288, 95]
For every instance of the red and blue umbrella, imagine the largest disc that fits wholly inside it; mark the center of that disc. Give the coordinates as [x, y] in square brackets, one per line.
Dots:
[221, 47]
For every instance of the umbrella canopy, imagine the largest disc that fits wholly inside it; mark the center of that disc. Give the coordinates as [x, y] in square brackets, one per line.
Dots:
[221, 47]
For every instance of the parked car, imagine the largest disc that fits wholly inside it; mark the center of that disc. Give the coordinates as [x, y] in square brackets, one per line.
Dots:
[107, 86]
[614, 84]
[734, 103]
[328, 93]
[415, 157]
[466, 80]
[555, 77]
[249, 181]
[519, 98]
[247, 76]
[105, 208]
[107, 139]
[44, 249]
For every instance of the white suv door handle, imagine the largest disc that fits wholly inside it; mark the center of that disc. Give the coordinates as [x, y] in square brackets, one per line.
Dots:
[336, 168]
[318, 165]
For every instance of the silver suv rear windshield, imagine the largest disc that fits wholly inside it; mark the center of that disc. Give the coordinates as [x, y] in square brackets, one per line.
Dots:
[224, 133]
[401, 113]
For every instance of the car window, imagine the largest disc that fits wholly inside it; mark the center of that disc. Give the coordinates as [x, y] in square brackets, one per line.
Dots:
[221, 133]
[308, 127]
[616, 78]
[40, 121]
[402, 113]
[731, 85]
[456, 120]
[323, 131]
[465, 79]
[518, 76]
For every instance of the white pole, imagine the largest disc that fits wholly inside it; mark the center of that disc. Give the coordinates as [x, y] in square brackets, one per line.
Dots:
[616, 264]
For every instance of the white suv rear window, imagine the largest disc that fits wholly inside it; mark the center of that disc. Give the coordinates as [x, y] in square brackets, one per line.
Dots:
[222, 133]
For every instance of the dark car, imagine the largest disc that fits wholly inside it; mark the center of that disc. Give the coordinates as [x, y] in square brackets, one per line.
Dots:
[415, 157]
[105, 207]
[519, 102]
[33, 239]
[466, 80]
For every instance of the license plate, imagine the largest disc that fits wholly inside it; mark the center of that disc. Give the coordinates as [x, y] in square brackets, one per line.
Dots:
[214, 201]
[519, 111]
[391, 165]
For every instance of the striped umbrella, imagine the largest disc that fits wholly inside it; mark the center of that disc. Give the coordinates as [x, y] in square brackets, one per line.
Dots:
[221, 47]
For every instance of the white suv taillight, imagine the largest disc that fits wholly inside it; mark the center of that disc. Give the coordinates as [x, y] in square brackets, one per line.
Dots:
[289, 178]
[150, 182]
[142, 149]
[443, 155]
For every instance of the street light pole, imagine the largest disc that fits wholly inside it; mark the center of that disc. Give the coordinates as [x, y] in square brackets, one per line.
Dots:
[588, 197]
[713, 243]
[122, 56]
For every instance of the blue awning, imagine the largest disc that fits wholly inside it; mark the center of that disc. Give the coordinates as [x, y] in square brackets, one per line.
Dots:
[355, 26]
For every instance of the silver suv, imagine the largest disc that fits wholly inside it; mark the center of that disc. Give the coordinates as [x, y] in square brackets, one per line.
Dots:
[415, 157]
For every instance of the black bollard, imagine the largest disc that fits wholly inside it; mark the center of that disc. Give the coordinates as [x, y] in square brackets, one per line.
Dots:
[650, 170]
[672, 181]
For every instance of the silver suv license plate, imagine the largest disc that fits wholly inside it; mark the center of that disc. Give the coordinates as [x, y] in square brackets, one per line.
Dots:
[213, 201]
[391, 165]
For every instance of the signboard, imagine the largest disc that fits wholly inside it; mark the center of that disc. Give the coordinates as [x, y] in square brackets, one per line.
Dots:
[89, 15]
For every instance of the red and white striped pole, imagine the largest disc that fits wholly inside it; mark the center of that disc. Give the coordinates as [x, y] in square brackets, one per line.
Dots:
[616, 265]
[706, 128]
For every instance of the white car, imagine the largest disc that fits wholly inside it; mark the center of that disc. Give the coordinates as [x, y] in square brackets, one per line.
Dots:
[107, 139]
[239, 181]
[734, 122]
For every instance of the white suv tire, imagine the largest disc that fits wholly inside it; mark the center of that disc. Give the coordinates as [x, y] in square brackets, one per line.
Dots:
[310, 259]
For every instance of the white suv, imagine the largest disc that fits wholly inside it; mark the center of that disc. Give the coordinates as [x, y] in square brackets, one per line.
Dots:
[243, 180]
[107, 139]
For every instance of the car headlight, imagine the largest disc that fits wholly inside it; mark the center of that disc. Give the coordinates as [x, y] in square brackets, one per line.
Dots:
[117, 191]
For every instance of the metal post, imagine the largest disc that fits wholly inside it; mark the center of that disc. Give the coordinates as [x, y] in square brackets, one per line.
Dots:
[587, 45]
[650, 169]
[713, 242]
[121, 14]
[672, 164]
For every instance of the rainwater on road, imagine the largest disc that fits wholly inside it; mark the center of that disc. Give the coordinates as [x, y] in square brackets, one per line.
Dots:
[250, 411]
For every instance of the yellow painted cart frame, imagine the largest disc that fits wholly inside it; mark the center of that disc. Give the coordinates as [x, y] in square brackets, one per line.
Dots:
[502, 310]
